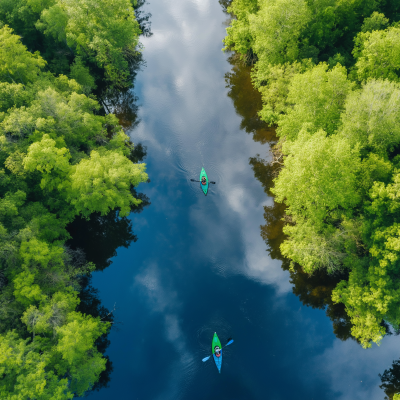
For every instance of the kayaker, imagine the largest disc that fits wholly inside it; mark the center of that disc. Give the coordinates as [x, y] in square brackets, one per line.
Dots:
[217, 351]
[203, 180]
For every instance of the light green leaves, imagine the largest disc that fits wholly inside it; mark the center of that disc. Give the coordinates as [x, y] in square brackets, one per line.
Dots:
[372, 116]
[319, 176]
[372, 293]
[273, 82]
[99, 183]
[51, 314]
[52, 162]
[103, 30]
[276, 29]
[75, 345]
[375, 22]
[58, 159]
[378, 54]
[318, 96]
[239, 37]
[102, 183]
[26, 291]
[17, 64]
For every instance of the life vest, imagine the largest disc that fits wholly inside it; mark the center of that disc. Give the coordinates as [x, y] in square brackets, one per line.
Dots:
[218, 354]
[203, 182]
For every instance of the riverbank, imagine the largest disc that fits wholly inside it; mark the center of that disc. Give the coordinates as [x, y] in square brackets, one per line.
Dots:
[61, 158]
[333, 98]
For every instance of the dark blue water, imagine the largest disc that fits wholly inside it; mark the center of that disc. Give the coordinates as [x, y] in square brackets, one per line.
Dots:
[200, 265]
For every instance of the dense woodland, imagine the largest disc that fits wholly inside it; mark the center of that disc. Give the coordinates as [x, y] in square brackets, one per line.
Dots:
[61, 158]
[329, 72]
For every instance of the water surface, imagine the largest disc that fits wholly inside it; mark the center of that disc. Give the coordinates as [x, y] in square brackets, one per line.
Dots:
[199, 264]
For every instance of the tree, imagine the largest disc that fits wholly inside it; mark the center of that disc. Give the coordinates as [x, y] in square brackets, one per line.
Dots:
[375, 22]
[273, 82]
[276, 29]
[239, 37]
[318, 96]
[319, 176]
[371, 117]
[51, 161]
[103, 182]
[378, 54]
[104, 31]
[17, 65]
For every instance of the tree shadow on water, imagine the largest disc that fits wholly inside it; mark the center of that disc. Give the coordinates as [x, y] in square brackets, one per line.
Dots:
[99, 237]
[313, 290]
[391, 380]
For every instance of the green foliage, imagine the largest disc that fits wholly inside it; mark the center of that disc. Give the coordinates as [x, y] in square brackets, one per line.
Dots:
[371, 118]
[52, 162]
[102, 183]
[319, 177]
[102, 34]
[17, 65]
[318, 96]
[372, 292]
[273, 82]
[11, 94]
[57, 160]
[239, 37]
[375, 22]
[81, 74]
[276, 29]
[378, 54]
[339, 140]
[104, 31]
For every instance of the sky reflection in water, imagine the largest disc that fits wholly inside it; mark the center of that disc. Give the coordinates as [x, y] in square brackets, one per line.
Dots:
[200, 264]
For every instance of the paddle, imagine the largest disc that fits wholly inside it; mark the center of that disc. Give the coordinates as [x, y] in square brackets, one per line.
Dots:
[194, 180]
[206, 358]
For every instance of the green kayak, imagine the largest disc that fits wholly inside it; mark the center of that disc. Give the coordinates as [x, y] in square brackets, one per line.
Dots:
[218, 360]
[204, 187]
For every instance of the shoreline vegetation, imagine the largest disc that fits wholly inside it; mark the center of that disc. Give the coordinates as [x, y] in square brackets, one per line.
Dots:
[61, 158]
[329, 75]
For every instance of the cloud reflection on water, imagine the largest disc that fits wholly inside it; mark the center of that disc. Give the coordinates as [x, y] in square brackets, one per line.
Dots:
[193, 251]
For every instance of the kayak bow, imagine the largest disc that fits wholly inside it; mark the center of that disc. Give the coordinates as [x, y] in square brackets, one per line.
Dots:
[218, 360]
[204, 187]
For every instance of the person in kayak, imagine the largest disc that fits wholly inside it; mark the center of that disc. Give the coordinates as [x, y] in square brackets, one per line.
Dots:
[203, 180]
[217, 351]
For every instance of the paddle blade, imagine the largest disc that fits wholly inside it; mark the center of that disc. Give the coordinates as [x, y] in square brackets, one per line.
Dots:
[205, 359]
[230, 342]
[212, 182]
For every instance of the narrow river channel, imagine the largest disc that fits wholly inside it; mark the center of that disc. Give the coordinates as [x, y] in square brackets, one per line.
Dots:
[205, 264]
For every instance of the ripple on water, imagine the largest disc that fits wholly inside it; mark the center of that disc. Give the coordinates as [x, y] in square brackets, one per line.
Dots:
[204, 337]
[220, 267]
[189, 153]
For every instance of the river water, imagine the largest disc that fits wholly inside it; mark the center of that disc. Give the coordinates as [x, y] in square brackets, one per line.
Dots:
[205, 264]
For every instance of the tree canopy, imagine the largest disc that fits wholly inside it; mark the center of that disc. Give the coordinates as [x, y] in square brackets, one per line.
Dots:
[328, 74]
[59, 159]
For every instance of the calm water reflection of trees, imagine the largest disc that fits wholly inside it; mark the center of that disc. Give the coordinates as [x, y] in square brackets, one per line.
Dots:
[315, 290]
[98, 238]
[391, 380]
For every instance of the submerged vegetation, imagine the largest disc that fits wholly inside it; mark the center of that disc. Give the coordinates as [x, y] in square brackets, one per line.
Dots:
[328, 74]
[61, 159]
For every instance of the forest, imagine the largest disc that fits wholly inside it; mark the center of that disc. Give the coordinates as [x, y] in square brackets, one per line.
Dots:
[329, 75]
[62, 157]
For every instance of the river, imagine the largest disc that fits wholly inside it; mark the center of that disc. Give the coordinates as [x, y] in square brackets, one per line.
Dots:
[205, 264]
